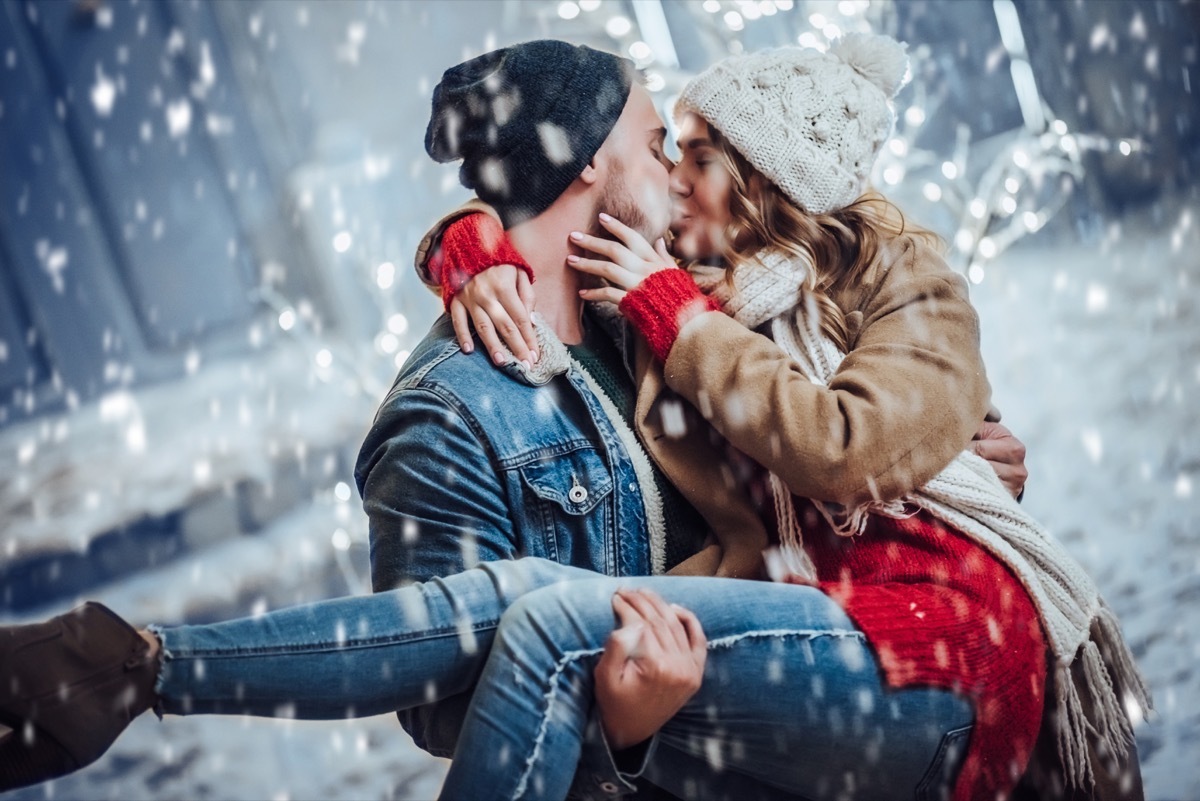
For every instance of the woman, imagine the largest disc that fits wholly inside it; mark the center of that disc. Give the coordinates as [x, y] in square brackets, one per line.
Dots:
[775, 150]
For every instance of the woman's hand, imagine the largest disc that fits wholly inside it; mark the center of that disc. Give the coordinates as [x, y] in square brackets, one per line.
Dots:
[499, 301]
[625, 262]
[651, 665]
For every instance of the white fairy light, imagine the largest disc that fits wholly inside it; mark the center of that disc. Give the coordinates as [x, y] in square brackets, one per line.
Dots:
[618, 26]
[1031, 220]
[734, 20]
[342, 241]
[568, 10]
[341, 491]
[589, 5]
[914, 115]
[287, 319]
[831, 31]
[932, 192]
[964, 239]
[1059, 127]
[397, 323]
[1009, 204]
[767, 8]
[898, 146]
[893, 174]
[784, 5]
[751, 11]
[817, 20]
[975, 273]
[1125, 148]
[950, 170]
[655, 82]
[401, 357]
[808, 39]
[640, 51]
[1011, 184]
[977, 208]
[987, 247]
[712, 6]
[1021, 159]
[385, 275]
[323, 358]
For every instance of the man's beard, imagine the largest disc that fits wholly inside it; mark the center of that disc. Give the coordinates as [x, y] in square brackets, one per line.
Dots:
[616, 202]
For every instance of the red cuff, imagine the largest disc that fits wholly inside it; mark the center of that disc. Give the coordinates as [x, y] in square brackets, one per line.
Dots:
[470, 245]
[663, 304]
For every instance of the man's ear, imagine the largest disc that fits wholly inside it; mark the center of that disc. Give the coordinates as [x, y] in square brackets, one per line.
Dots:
[590, 174]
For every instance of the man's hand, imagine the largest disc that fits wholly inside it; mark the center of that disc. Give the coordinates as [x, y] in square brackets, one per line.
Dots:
[651, 665]
[499, 301]
[1005, 453]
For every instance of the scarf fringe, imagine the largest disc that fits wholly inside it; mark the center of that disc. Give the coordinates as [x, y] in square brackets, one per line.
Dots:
[969, 497]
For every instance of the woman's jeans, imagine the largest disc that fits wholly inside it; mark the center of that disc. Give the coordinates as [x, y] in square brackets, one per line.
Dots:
[791, 703]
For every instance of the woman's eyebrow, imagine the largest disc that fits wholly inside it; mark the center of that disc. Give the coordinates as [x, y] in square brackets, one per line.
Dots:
[691, 144]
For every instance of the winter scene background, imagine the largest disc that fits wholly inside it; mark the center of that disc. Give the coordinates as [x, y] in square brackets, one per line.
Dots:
[208, 212]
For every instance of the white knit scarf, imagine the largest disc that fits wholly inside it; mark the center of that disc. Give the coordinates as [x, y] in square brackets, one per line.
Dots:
[969, 497]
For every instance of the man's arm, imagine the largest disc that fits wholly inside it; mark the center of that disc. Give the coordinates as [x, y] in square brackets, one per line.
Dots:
[436, 507]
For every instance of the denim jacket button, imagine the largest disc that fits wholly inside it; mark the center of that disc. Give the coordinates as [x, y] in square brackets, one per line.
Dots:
[610, 788]
[577, 494]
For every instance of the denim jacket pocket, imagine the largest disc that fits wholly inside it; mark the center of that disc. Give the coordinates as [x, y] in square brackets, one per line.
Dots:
[575, 482]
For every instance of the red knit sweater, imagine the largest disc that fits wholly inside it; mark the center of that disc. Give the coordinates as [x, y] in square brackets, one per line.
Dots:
[940, 611]
[936, 607]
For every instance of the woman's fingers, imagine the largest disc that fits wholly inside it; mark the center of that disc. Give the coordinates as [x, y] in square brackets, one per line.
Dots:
[462, 325]
[607, 293]
[613, 273]
[660, 247]
[659, 636]
[521, 340]
[615, 252]
[636, 243]
[486, 328]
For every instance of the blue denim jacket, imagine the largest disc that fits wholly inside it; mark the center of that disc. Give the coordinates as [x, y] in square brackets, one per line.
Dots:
[467, 463]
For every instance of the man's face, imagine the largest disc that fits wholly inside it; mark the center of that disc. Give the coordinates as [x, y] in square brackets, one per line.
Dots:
[636, 183]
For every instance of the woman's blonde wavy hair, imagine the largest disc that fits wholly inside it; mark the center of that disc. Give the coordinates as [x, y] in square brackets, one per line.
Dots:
[838, 247]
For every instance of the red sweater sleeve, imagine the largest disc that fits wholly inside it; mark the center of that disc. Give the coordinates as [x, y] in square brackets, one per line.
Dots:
[470, 245]
[662, 304]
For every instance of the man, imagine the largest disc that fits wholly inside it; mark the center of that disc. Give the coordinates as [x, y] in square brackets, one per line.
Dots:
[466, 462]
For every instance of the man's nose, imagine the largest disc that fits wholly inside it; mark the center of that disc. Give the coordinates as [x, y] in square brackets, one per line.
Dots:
[680, 187]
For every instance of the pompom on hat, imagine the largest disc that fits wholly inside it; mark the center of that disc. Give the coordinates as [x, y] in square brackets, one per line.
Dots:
[810, 121]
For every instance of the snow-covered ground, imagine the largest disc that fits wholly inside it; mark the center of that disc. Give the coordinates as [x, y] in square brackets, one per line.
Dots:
[1094, 356]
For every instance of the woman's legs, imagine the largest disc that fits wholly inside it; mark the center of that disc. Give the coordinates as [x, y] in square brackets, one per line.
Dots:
[792, 701]
[354, 656]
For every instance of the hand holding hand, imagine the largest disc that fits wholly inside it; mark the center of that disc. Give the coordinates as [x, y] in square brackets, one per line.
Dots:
[625, 263]
[1006, 454]
[651, 665]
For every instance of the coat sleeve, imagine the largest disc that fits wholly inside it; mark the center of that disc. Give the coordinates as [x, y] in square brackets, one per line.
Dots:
[906, 399]
[430, 243]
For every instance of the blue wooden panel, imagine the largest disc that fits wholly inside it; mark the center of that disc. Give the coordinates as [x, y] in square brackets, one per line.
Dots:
[135, 109]
[57, 260]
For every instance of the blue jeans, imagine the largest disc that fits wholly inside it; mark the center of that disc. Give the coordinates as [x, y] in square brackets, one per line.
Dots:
[791, 704]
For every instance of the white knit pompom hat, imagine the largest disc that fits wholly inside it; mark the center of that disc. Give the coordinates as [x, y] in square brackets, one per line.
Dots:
[811, 121]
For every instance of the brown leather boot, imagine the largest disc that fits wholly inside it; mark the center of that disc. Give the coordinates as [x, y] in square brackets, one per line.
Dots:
[68, 688]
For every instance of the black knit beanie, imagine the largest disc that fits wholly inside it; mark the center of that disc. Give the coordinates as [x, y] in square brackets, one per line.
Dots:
[526, 120]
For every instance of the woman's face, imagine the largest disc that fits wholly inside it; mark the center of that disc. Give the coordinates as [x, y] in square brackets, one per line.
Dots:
[700, 190]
